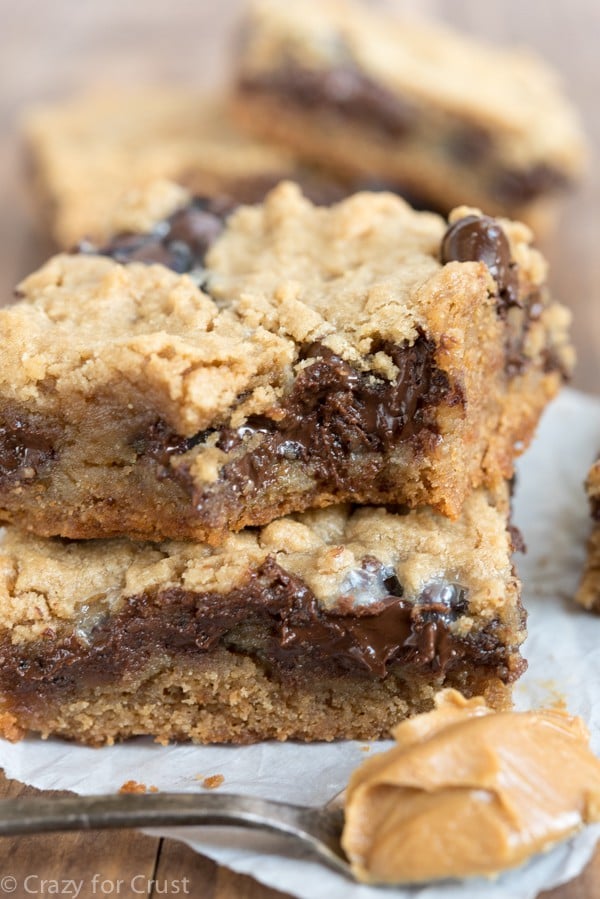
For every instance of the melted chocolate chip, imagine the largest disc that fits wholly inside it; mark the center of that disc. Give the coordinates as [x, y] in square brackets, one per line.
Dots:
[159, 443]
[469, 145]
[525, 186]
[477, 238]
[24, 452]
[179, 242]
[344, 90]
[274, 617]
[393, 585]
[389, 579]
[335, 413]
[198, 226]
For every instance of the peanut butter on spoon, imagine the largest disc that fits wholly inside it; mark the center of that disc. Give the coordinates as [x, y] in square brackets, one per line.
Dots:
[467, 791]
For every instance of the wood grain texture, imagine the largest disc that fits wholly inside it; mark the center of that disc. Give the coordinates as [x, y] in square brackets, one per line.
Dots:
[50, 50]
[92, 858]
[216, 882]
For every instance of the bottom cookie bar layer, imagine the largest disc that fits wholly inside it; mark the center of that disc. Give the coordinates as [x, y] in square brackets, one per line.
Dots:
[227, 698]
[333, 624]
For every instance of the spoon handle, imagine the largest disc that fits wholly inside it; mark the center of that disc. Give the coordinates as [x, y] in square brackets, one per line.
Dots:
[320, 828]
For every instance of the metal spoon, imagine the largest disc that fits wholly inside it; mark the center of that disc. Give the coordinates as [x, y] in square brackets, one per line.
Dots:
[319, 828]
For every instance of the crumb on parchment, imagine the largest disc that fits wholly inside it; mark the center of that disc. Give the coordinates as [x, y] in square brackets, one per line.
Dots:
[132, 786]
[211, 782]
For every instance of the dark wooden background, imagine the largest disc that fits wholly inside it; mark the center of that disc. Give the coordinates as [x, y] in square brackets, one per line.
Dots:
[51, 49]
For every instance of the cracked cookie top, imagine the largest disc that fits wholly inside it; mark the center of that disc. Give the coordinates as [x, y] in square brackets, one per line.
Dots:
[282, 276]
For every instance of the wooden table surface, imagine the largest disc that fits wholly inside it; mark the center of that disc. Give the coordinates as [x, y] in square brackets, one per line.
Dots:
[48, 50]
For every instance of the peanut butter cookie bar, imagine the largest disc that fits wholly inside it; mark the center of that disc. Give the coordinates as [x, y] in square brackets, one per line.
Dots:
[452, 120]
[361, 352]
[88, 153]
[332, 624]
[588, 594]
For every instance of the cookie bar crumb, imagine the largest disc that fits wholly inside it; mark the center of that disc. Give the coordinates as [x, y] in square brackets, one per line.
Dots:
[213, 782]
[133, 787]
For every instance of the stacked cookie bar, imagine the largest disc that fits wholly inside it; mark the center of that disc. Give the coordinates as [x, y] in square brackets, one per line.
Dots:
[254, 459]
[410, 105]
[262, 455]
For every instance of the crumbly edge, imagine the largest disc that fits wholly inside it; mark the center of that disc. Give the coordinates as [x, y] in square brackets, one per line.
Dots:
[588, 592]
[592, 483]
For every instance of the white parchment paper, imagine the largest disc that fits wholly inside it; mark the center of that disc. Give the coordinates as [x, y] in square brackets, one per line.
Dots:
[563, 650]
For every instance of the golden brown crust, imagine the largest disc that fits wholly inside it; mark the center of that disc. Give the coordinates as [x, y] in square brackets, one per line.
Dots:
[10, 729]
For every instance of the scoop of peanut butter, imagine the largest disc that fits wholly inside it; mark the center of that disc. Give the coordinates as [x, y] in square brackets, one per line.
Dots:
[467, 791]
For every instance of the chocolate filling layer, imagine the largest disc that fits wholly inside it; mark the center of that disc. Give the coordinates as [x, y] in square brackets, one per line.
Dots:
[26, 452]
[346, 91]
[334, 413]
[273, 617]
[332, 416]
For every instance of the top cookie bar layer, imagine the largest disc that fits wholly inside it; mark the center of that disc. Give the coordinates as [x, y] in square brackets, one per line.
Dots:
[362, 352]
